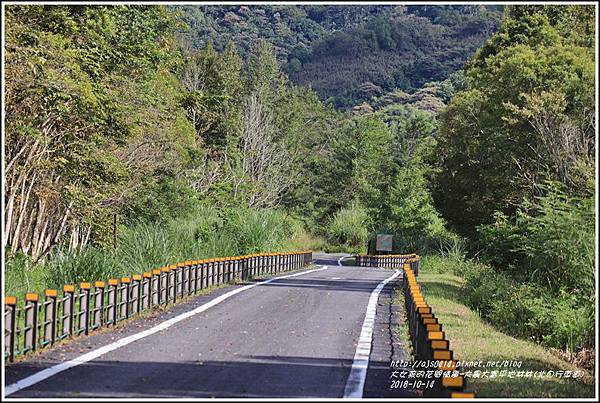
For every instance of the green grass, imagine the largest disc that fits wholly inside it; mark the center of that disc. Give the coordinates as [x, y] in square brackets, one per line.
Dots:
[472, 339]
[205, 233]
[304, 240]
[401, 331]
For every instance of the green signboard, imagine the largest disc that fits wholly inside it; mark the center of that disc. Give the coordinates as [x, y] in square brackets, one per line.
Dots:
[384, 243]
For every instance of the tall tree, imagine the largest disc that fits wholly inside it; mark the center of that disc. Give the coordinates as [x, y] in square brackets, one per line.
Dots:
[68, 134]
[214, 83]
[529, 98]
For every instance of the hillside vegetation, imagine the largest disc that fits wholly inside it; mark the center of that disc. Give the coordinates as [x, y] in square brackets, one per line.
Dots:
[339, 49]
[132, 141]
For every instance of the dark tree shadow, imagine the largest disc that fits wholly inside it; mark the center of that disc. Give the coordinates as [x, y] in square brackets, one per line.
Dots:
[252, 376]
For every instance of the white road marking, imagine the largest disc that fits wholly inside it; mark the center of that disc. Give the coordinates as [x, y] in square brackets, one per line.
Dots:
[358, 373]
[305, 284]
[340, 259]
[336, 278]
[51, 371]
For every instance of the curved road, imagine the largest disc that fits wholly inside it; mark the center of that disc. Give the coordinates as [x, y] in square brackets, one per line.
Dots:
[292, 337]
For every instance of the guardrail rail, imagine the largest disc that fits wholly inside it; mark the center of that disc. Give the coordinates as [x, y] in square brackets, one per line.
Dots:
[430, 344]
[80, 310]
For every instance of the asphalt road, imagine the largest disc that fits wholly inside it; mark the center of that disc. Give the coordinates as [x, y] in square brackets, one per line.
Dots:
[293, 337]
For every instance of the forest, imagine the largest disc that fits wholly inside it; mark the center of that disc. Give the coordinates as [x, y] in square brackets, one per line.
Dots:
[136, 136]
[337, 49]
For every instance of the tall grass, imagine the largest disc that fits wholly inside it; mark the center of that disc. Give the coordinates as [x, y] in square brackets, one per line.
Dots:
[19, 274]
[142, 246]
[348, 230]
[256, 230]
[145, 246]
[68, 267]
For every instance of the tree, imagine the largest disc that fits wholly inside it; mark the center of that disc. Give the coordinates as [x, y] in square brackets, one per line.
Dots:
[72, 144]
[563, 150]
[265, 78]
[214, 82]
[306, 128]
[372, 162]
[262, 175]
[493, 149]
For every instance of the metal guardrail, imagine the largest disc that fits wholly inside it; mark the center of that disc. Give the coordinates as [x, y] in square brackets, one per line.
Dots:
[80, 310]
[388, 261]
[431, 348]
[429, 341]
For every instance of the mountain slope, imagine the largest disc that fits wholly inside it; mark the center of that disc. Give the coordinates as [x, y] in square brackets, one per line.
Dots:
[339, 49]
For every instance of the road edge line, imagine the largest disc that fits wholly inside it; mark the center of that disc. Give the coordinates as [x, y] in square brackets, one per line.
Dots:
[51, 371]
[358, 373]
[339, 262]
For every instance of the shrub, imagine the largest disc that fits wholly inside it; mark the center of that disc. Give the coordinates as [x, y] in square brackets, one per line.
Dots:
[522, 310]
[562, 320]
[161, 200]
[485, 289]
[573, 324]
[551, 242]
[349, 228]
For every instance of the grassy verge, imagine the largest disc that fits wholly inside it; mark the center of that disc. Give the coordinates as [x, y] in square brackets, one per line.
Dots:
[401, 331]
[472, 339]
[205, 233]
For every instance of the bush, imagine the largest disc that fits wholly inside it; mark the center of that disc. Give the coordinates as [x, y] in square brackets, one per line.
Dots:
[572, 324]
[485, 289]
[525, 310]
[551, 242]
[522, 310]
[348, 229]
[161, 200]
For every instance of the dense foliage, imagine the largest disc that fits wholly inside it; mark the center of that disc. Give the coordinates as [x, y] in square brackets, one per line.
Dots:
[515, 174]
[337, 50]
[145, 245]
[141, 135]
[91, 109]
[525, 116]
